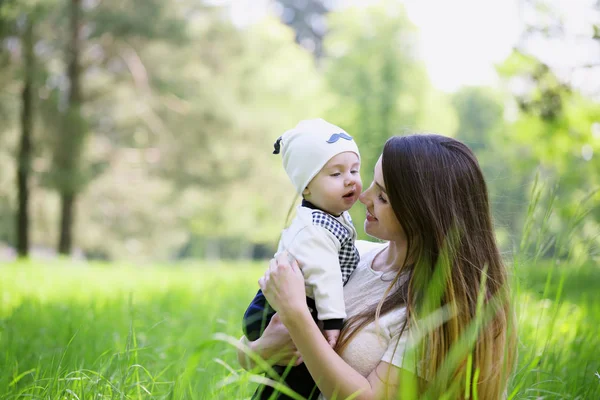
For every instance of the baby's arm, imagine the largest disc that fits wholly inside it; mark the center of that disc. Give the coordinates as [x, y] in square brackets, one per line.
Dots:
[316, 251]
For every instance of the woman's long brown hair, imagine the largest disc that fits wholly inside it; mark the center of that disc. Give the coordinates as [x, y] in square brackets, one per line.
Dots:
[438, 193]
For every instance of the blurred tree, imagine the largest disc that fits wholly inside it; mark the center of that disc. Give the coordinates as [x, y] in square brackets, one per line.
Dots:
[68, 155]
[188, 160]
[557, 128]
[7, 104]
[559, 108]
[480, 116]
[24, 156]
[19, 21]
[573, 30]
[482, 127]
[103, 34]
[308, 18]
[259, 94]
[381, 88]
[374, 73]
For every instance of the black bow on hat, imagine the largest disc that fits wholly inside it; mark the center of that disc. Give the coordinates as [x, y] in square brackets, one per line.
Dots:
[277, 145]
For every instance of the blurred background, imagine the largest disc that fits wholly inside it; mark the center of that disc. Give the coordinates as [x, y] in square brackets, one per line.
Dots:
[142, 130]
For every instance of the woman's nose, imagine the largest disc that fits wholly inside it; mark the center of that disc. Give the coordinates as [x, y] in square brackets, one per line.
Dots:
[363, 197]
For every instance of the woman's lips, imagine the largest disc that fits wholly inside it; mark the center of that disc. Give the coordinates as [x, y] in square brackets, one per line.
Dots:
[370, 217]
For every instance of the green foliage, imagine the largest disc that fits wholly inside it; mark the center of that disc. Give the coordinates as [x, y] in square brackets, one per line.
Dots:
[480, 117]
[115, 18]
[554, 130]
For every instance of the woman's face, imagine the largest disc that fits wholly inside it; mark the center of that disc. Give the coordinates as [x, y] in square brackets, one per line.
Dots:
[381, 221]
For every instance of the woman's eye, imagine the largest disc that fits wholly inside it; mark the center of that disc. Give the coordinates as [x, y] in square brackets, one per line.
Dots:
[382, 199]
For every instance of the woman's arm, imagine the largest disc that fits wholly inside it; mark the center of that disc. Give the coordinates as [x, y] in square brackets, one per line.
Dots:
[284, 288]
[331, 373]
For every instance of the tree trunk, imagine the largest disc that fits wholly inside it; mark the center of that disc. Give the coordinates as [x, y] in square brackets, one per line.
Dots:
[66, 223]
[24, 156]
[68, 191]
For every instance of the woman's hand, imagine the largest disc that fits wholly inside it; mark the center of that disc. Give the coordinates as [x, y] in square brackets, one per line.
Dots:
[283, 287]
[275, 346]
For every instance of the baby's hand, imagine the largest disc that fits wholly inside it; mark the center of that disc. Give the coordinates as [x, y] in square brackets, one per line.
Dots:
[332, 336]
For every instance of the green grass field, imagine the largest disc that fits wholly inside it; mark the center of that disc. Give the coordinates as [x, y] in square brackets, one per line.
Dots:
[79, 331]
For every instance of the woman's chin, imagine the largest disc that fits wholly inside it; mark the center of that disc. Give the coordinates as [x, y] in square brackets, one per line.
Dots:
[369, 228]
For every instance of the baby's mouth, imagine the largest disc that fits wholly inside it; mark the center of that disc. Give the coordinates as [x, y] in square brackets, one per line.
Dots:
[350, 194]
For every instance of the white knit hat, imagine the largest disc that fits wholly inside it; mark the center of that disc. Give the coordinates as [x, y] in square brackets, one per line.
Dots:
[309, 146]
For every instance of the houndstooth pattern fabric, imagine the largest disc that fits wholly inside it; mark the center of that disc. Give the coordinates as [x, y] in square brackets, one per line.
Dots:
[348, 255]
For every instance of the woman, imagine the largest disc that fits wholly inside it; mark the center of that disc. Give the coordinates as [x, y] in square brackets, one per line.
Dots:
[428, 311]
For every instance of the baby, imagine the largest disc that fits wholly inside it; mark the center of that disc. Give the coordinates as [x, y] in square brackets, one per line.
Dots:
[323, 163]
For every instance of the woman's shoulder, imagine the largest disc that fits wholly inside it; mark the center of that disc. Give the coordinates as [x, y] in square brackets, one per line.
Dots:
[365, 247]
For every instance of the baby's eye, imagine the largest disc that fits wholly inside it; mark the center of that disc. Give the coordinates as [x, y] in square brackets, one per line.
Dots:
[335, 174]
[354, 171]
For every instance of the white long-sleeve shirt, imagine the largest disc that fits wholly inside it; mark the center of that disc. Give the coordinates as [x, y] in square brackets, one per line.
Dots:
[324, 247]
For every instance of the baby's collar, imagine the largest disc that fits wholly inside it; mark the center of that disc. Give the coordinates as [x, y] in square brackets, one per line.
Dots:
[308, 204]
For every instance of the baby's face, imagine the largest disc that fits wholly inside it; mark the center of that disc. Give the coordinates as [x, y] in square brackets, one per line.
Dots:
[337, 186]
